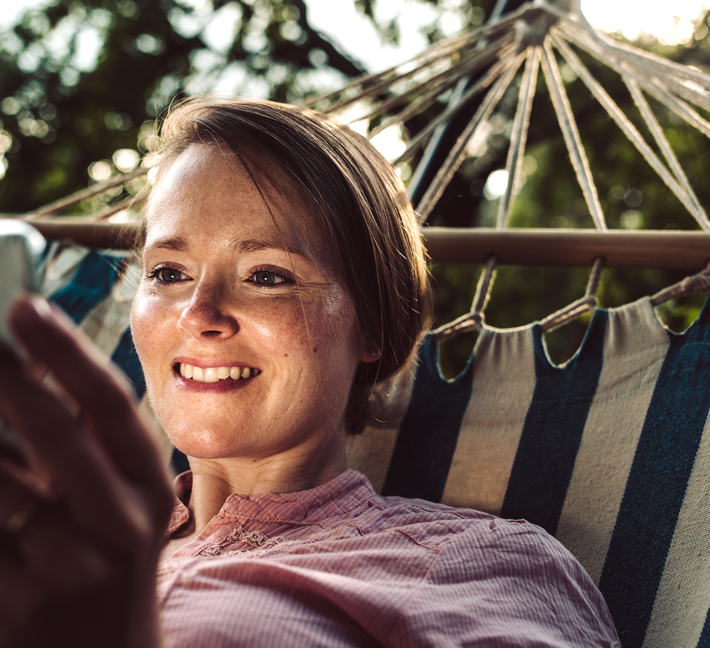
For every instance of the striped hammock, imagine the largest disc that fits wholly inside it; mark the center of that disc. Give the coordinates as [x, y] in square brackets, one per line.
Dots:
[609, 452]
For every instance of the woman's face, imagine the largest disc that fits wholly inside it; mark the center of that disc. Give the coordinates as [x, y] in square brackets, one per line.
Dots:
[228, 292]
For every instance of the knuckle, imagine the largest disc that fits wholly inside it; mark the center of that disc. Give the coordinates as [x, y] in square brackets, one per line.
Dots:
[119, 399]
[141, 528]
[115, 375]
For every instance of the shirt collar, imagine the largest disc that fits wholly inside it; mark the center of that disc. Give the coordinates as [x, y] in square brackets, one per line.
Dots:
[340, 495]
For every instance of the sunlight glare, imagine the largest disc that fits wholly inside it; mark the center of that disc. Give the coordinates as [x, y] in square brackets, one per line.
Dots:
[496, 184]
[634, 18]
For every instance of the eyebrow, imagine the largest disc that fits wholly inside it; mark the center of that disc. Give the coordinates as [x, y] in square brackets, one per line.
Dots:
[254, 245]
[179, 244]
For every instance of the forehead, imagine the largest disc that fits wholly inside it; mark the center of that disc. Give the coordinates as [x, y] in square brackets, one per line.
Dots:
[207, 191]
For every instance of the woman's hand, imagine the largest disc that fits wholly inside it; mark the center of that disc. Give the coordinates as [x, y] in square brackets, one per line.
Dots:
[81, 526]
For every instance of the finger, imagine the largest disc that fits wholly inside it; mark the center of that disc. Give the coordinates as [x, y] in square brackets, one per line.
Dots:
[8, 356]
[58, 557]
[18, 488]
[47, 543]
[11, 447]
[50, 561]
[101, 500]
[82, 470]
[19, 594]
[94, 383]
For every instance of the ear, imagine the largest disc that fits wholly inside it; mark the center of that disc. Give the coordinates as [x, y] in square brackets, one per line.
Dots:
[369, 353]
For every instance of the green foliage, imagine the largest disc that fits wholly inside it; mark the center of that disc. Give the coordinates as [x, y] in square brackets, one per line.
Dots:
[631, 194]
[63, 111]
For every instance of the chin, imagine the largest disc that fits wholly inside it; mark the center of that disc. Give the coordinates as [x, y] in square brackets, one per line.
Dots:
[192, 432]
[203, 444]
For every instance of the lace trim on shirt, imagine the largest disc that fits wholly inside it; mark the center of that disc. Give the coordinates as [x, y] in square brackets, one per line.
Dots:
[256, 539]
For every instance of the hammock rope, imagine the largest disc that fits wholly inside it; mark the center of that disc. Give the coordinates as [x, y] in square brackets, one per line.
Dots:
[507, 59]
[458, 152]
[683, 191]
[482, 65]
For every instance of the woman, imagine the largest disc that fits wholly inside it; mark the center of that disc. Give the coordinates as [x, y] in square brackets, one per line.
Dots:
[283, 276]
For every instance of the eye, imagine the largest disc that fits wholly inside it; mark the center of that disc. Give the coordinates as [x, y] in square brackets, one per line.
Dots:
[166, 275]
[268, 278]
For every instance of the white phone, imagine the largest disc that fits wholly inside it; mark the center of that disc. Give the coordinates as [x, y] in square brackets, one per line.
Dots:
[21, 246]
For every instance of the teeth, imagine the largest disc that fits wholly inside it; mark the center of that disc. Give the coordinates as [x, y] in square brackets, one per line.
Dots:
[215, 374]
[211, 375]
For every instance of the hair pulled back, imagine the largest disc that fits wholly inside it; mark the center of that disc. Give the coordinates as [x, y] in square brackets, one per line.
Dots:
[358, 210]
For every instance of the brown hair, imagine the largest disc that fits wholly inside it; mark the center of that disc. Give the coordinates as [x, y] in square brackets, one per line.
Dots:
[357, 205]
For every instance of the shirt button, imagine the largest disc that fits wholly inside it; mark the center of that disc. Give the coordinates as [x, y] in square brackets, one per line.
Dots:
[211, 550]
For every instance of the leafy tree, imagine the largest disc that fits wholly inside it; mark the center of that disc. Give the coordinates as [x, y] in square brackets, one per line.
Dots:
[64, 113]
[631, 194]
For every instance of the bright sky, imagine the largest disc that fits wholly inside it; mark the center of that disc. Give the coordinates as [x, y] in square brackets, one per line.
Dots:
[671, 20]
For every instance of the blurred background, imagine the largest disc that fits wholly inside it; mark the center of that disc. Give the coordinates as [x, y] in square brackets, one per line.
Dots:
[82, 82]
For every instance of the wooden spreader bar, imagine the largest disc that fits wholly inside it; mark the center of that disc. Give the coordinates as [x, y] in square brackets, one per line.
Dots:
[523, 247]
[564, 247]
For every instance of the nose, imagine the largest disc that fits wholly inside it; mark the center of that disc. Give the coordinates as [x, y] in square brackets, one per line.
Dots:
[207, 315]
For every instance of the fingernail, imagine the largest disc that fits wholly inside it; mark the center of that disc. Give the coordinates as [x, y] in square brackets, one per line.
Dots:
[28, 310]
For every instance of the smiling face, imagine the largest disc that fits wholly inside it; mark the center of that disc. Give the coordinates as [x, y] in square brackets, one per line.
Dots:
[230, 288]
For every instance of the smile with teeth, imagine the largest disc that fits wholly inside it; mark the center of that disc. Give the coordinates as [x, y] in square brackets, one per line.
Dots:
[215, 374]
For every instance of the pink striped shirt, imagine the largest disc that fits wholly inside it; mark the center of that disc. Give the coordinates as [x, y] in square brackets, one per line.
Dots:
[339, 565]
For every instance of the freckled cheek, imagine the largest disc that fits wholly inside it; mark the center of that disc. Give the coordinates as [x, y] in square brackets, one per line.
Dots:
[294, 328]
[150, 321]
[277, 324]
[337, 324]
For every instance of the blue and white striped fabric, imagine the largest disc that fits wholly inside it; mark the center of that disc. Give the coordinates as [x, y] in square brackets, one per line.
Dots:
[96, 290]
[608, 453]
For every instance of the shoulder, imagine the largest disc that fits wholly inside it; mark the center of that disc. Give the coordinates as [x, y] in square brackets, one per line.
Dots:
[479, 540]
[451, 522]
[511, 577]
[427, 522]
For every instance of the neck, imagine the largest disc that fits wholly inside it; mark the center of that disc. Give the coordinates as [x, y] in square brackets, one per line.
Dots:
[214, 480]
